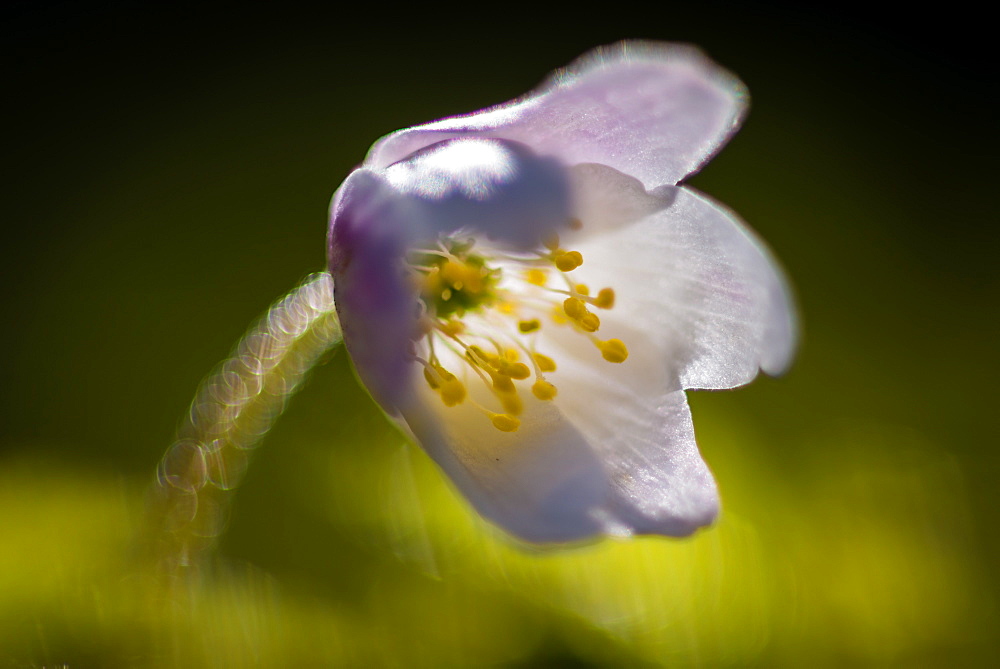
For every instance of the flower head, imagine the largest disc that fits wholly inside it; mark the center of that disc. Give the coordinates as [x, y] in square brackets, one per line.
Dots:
[529, 291]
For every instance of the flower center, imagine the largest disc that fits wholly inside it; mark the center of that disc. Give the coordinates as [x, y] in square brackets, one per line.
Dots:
[482, 313]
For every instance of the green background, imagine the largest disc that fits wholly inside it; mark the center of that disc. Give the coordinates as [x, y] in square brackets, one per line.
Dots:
[167, 176]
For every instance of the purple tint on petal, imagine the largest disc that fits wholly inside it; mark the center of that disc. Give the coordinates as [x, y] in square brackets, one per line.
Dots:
[656, 112]
[374, 300]
[496, 188]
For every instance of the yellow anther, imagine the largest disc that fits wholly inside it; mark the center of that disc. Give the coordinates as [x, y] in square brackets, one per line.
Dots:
[478, 355]
[431, 378]
[503, 384]
[446, 294]
[575, 224]
[462, 275]
[605, 298]
[511, 403]
[574, 307]
[529, 326]
[545, 363]
[452, 392]
[515, 370]
[536, 276]
[506, 307]
[613, 350]
[568, 261]
[453, 327]
[589, 322]
[543, 390]
[582, 289]
[512, 354]
[505, 422]
[551, 242]
[431, 282]
[558, 315]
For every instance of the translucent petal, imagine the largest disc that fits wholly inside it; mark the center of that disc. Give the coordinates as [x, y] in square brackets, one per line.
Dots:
[543, 483]
[636, 418]
[689, 275]
[659, 482]
[613, 454]
[657, 112]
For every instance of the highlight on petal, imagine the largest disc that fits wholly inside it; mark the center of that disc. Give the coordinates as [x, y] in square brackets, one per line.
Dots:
[658, 112]
[499, 188]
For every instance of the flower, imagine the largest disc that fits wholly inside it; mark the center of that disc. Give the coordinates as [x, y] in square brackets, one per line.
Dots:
[528, 290]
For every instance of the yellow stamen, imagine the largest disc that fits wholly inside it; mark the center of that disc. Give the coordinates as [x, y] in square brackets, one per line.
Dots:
[558, 315]
[589, 322]
[574, 307]
[543, 390]
[431, 378]
[568, 261]
[529, 326]
[545, 363]
[478, 355]
[613, 350]
[515, 370]
[605, 298]
[452, 391]
[505, 422]
[452, 327]
[536, 276]
[454, 282]
[505, 391]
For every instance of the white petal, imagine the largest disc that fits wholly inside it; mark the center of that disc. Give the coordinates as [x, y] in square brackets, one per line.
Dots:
[655, 111]
[688, 275]
[543, 483]
[659, 482]
[635, 416]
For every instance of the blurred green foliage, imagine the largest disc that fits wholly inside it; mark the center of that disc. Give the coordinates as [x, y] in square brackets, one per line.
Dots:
[171, 170]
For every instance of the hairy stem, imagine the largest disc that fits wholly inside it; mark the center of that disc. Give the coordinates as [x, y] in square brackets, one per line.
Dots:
[232, 410]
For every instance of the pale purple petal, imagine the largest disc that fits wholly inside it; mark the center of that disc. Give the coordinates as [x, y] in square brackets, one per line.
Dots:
[657, 112]
[375, 303]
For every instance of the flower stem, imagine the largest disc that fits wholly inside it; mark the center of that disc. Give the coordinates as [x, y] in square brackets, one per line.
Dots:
[232, 410]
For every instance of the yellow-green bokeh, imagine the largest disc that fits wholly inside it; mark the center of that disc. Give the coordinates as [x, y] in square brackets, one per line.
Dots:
[172, 174]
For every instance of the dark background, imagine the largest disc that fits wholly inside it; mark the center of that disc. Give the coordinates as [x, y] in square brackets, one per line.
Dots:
[167, 172]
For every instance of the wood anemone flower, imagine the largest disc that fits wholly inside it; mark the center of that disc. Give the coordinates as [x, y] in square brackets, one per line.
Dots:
[529, 291]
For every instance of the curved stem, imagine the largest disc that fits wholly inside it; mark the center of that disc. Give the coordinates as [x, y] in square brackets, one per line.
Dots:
[232, 410]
